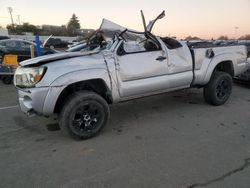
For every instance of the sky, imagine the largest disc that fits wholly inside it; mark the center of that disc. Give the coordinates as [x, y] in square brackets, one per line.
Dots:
[203, 18]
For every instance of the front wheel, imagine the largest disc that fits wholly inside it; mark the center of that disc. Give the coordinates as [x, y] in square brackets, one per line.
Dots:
[219, 88]
[84, 115]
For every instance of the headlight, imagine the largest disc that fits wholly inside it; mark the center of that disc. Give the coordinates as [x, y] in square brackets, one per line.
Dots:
[28, 77]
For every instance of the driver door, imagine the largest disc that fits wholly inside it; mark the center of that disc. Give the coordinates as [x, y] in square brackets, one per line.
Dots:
[141, 70]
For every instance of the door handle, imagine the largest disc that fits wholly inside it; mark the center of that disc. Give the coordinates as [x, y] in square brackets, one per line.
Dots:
[161, 58]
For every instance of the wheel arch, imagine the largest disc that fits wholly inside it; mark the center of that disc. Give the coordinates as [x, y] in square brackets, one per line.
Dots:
[225, 66]
[96, 80]
[220, 63]
[97, 85]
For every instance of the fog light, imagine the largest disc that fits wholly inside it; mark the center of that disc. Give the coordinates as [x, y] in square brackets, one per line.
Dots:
[27, 101]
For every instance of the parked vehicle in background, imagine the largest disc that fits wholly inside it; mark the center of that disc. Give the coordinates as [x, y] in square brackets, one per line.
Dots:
[121, 65]
[75, 42]
[55, 43]
[21, 48]
[77, 47]
[4, 37]
[12, 52]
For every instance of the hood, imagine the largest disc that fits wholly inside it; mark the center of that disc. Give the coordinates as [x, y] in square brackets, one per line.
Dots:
[57, 69]
[54, 57]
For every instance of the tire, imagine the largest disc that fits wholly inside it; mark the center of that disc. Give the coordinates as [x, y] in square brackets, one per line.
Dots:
[219, 88]
[84, 115]
[7, 80]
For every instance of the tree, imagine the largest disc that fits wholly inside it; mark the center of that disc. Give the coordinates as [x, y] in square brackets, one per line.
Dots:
[190, 38]
[245, 37]
[10, 29]
[26, 27]
[223, 37]
[73, 25]
[54, 30]
[20, 29]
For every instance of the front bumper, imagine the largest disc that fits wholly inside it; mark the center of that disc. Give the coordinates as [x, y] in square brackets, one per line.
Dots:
[31, 100]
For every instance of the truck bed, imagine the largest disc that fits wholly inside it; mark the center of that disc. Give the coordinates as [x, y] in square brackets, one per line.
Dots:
[208, 44]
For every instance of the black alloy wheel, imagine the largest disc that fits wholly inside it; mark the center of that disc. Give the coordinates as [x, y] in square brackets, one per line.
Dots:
[86, 118]
[223, 89]
[84, 115]
[219, 88]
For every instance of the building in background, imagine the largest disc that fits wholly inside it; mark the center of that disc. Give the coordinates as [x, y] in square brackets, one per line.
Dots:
[84, 32]
[53, 29]
[4, 32]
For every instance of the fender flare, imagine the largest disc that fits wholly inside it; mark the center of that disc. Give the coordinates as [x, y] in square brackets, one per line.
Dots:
[62, 82]
[227, 57]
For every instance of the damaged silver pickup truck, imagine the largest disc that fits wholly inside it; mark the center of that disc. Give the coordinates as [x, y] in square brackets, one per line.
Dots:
[119, 64]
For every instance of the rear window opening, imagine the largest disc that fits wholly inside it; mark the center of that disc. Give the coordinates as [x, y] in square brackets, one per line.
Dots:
[171, 43]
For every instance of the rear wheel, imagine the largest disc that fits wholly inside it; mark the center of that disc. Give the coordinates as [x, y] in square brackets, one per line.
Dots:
[84, 115]
[219, 88]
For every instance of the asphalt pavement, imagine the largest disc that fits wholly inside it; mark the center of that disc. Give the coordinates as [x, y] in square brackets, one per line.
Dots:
[174, 140]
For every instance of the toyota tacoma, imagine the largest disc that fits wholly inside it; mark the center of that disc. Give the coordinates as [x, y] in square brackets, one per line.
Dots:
[117, 65]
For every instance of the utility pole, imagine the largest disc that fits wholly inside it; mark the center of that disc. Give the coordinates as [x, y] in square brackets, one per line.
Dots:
[10, 9]
[236, 32]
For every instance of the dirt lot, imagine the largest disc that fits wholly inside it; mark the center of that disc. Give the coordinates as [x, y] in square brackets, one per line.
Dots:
[173, 140]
